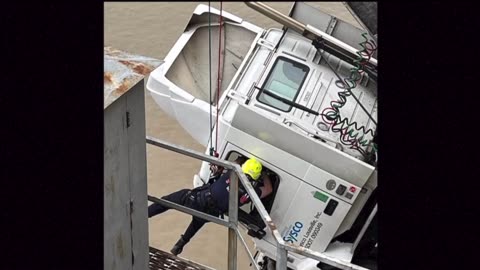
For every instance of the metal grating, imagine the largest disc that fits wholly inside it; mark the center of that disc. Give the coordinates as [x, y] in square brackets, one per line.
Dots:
[160, 260]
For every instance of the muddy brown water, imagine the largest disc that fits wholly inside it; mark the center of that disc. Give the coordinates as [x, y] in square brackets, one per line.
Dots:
[151, 29]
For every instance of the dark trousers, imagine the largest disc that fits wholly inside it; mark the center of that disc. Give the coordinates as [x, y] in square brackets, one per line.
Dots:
[190, 201]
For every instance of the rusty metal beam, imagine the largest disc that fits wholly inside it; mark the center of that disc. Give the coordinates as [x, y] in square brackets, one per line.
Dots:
[122, 70]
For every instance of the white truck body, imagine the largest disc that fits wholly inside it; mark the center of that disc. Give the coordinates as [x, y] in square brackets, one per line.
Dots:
[322, 184]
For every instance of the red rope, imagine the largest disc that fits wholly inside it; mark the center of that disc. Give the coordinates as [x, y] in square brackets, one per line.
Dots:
[219, 75]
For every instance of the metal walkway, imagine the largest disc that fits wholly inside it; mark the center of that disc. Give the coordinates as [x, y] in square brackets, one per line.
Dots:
[161, 260]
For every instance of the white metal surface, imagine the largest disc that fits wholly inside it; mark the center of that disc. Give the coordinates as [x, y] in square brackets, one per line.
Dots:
[318, 91]
[298, 179]
[320, 154]
[285, 142]
[190, 104]
[282, 248]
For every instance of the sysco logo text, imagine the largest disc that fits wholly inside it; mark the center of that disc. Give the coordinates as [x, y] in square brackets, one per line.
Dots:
[293, 234]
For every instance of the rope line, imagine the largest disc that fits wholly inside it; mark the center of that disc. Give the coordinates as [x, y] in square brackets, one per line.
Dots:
[219, 75]
[210, 76]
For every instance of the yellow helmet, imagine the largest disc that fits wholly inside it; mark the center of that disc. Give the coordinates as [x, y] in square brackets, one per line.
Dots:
[253, 168]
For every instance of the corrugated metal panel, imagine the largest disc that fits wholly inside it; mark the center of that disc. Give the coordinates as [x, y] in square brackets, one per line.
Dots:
[122, 70]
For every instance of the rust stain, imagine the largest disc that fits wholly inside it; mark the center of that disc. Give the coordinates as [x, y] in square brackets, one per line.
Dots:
[107, 77]
[271, 225]
[142, 69]
[139, 68]
[300, 249]
[127, 63]
[122, 88]
[123, 70]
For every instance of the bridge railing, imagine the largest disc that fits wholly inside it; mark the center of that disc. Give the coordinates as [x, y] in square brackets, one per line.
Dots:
[232, 224]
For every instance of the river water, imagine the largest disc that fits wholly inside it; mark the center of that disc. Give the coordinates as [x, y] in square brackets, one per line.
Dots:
[151, 29]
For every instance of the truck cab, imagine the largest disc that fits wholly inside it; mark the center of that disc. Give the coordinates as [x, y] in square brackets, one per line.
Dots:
[283, 100]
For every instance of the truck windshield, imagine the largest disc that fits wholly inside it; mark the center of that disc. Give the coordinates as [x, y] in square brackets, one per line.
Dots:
[285, 79]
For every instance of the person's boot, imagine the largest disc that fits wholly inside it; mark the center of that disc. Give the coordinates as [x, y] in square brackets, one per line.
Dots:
[178, 247]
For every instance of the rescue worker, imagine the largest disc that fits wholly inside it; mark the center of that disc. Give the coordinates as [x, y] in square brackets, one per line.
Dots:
[212, 198]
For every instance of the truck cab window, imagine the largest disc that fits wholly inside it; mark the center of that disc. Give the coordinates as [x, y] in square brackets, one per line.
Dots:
[285, 80]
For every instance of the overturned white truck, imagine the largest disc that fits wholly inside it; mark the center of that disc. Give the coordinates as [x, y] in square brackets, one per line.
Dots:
[303, 101]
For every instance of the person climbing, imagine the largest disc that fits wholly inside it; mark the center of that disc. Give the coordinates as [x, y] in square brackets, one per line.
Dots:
[212, 198]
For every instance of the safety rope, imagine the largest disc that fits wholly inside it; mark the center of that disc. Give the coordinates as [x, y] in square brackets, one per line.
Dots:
[210, 76]
[219, 75]
[214, 170]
